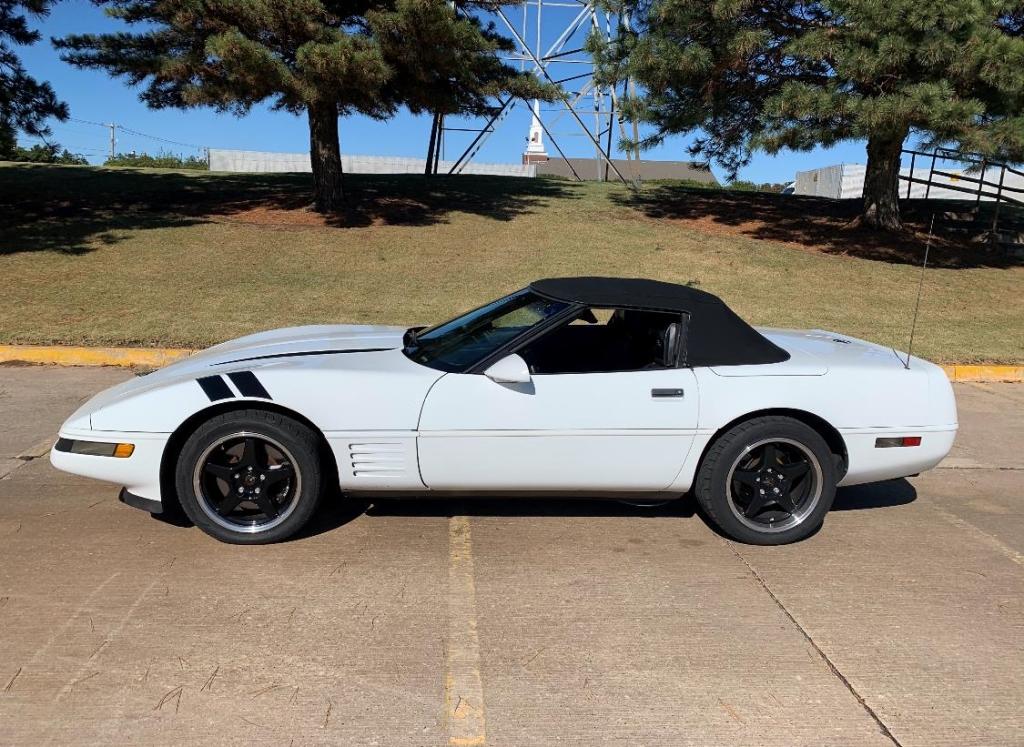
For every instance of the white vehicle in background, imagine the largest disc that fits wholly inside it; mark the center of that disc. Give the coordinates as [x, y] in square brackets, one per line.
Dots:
[593, 387]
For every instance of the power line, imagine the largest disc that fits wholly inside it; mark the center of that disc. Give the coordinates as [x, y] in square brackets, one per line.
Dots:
[112, 126]
[87, 121]
[161, 139]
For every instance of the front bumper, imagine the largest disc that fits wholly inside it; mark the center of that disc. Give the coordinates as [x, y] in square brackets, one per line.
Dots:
[139, 474]
[137, 501]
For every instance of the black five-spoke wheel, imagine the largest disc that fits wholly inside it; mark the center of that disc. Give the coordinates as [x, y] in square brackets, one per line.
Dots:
[250, 476]
[775, 484]
[768, 480]
[247, 482]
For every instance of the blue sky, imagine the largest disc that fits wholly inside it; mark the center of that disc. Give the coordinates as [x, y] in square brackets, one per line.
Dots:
[95, 97]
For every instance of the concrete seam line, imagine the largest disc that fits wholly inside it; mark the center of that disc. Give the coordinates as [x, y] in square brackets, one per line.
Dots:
[886, 732]
[1002, 393]
[83, 605]
[116, 631]
[38, 451]
[994, 542]
[30, 454]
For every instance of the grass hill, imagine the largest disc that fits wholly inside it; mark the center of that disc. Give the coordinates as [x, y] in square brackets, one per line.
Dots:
[148, 257]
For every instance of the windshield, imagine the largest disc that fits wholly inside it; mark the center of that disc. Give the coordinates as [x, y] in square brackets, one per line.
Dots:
[468, 339]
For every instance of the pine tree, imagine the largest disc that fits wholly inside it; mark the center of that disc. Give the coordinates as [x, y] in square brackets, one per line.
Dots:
[327, 58]
[25, 103]
[778, 74]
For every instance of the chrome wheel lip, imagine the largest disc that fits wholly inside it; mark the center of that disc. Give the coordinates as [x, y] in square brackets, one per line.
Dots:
[800, 515]
[211, 513]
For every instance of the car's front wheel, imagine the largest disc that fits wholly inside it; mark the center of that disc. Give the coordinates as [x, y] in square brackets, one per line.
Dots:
[250, 476]
[767, 481]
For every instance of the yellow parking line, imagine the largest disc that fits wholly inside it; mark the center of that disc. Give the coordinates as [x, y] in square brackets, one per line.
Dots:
[464, 695]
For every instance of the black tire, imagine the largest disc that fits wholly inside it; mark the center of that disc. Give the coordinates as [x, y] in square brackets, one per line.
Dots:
[270, 459]
[744, 450]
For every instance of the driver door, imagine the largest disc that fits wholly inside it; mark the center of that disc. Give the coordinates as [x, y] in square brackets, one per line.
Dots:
[585, 430]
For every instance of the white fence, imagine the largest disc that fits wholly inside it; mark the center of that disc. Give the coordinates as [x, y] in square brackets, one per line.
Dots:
[846, 181]
[266, 162]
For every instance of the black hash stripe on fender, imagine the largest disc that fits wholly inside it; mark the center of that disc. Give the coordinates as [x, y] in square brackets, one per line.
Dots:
[215, 387]
[248, 385]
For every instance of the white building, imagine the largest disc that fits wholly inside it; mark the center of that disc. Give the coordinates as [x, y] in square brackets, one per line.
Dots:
[846, 181]
[535, 150]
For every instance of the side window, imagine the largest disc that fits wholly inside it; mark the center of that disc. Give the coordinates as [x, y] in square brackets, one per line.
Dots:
[606, 340]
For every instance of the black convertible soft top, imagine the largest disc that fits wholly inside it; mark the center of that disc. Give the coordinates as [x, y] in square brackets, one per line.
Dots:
[715, 335]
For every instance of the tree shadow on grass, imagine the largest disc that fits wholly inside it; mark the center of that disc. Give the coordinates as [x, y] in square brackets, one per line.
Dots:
[825, 226]
[71, 209]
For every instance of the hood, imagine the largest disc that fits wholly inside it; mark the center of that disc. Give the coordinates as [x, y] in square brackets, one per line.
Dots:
[263, 348]
[315, 338]
[281, 344]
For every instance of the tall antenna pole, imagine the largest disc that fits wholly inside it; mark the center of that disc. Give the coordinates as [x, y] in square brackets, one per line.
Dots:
[113, 138]
[920, 287]
[540, 12]
[566, 53]
[522, 59]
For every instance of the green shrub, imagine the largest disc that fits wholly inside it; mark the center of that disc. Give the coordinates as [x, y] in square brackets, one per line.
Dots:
[162, 160]
[744, 186]
[46, 154]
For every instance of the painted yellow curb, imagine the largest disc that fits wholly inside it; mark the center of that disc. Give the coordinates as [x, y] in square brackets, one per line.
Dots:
[959, 372]
[61, 355]
[79, 356]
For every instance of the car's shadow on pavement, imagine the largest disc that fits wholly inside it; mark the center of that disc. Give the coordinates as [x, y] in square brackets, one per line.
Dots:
[334, 514]
[875, 495]
[683, 507]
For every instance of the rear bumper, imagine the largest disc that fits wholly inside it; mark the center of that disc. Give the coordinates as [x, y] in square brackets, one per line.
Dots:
[139, 474]
[867, 463]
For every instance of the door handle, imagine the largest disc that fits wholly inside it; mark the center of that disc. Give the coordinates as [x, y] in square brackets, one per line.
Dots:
[667, 393]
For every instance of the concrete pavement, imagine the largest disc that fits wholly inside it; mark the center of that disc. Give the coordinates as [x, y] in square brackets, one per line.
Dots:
[513, 623]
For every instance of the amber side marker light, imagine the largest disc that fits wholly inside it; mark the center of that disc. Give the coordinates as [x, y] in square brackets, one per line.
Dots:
[888, 443]
[95, 448]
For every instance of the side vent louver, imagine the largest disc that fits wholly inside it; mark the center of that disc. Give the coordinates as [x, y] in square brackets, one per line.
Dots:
[377, 459]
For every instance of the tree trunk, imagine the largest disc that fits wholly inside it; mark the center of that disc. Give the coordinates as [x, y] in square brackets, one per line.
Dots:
[438, 142]
[430, 148]
[325, 156]
[882, 183]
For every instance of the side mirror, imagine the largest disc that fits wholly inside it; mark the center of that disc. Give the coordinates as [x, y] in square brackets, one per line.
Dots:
[511, 369]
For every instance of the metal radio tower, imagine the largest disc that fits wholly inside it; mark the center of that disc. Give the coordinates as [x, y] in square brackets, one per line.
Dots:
[550, 37]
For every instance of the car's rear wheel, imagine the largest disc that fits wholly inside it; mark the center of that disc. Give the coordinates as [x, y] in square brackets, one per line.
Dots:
[250, 476]
[767, 481]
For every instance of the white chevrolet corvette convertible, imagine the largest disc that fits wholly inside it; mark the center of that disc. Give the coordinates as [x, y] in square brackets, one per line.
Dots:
[591, 387]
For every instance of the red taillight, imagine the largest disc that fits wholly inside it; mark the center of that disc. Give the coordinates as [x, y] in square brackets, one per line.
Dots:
[888, 443]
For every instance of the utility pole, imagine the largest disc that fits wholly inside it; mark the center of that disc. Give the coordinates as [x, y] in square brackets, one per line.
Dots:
[113, 138]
